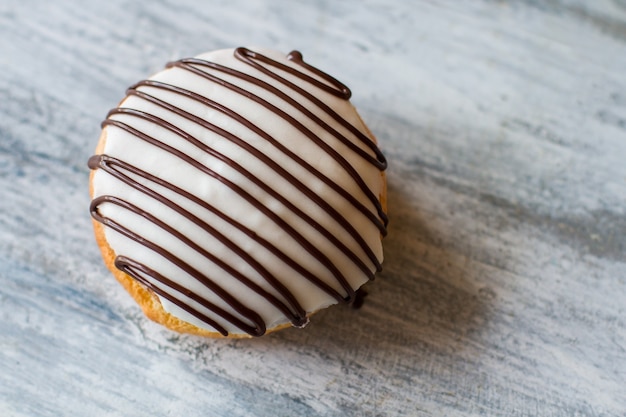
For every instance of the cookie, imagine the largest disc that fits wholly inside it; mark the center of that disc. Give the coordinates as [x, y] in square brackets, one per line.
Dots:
[238, 192]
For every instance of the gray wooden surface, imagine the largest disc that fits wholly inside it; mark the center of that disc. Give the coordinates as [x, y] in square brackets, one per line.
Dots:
[503, 291]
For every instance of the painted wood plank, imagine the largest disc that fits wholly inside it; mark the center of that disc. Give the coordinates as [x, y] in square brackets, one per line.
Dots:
[503, 290]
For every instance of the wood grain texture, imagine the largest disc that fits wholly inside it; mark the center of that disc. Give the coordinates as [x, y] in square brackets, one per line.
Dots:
[503, 291]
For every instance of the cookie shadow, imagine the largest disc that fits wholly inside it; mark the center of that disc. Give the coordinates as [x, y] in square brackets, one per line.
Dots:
[426, 297]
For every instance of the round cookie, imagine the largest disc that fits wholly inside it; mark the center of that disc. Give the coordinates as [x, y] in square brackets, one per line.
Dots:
[237, 193]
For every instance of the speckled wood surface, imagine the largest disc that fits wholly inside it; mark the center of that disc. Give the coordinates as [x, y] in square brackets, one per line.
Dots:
[503, 291]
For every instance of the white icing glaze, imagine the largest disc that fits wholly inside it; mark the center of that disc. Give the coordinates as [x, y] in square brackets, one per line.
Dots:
[128, 147]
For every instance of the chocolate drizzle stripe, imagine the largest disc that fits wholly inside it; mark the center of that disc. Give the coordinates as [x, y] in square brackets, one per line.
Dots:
[108, 164]
[224, 295]
[286, 302]
[263, 134]
[323, 259]
[188, 64]
[132, 268]
[298, 317]
[332, 85]
[250, 57]
[347, 226]
[341, 90]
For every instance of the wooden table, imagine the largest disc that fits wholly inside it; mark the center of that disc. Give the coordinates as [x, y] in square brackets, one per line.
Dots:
[503, 291]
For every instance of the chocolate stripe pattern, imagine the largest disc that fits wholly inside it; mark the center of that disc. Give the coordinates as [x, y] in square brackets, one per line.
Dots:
[306, 180]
